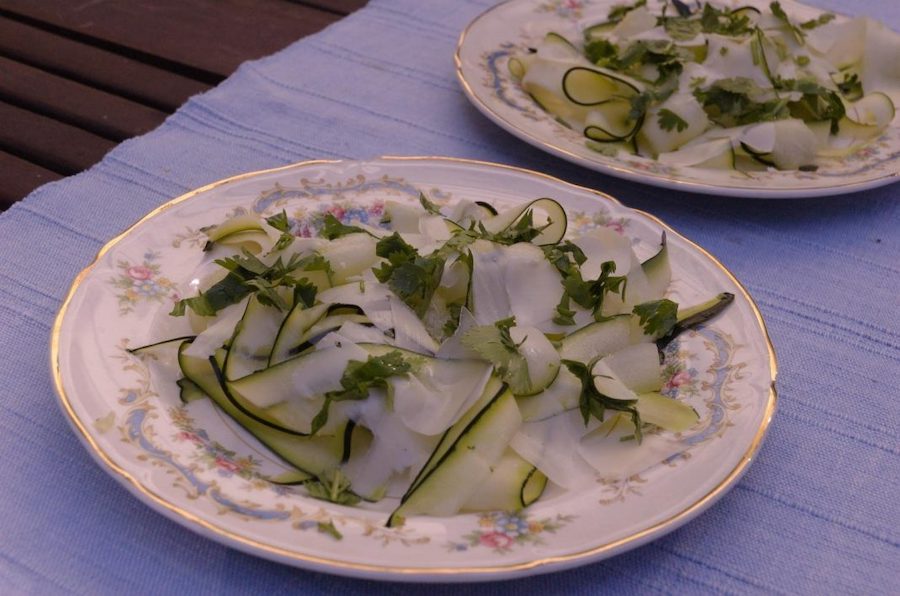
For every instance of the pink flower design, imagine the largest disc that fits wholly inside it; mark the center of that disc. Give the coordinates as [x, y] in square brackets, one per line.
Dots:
[617, 226]
[338, 212]
[188, 436]
[679, 379]
[226, 465]
[139, 272]
[496, 540]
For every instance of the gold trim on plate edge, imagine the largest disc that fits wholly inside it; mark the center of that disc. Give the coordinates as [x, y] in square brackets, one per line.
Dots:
[399, 573]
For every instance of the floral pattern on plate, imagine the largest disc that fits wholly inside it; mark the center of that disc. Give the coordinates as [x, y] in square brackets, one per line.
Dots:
[193, 464]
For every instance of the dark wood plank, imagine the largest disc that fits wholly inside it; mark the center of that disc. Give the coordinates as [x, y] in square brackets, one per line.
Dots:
[96, 67]
[49, 143]
[107, 115]
[19, 177]
[210, 35]
[341, 7]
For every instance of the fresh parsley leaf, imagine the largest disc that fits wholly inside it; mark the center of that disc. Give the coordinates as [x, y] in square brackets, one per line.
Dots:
[817, 103]
[521, 230]
[280, 222]
[851, 87]
[247, 275]
[782, 16]
[618, 12]
[428, 205]
[738, 101]
[724, 21]
[329, 528]
[600, 51]
[822, 19]
[657, 317]
[333, 487]
[668, 120]
[494, 344]
[413, 278]
[593, 403]
[333, 228]
[358, 378]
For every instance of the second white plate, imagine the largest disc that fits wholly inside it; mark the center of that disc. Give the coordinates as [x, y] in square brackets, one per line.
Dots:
[481, 65]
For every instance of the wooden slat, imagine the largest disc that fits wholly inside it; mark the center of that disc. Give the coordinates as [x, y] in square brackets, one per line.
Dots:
[19, 177]
[211, 35]
[342, 7]
[96, 67]
[96, 111]
[47, 142]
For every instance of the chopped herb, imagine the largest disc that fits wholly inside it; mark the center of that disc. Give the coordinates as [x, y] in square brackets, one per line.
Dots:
[657, 317]
[593, 403]
[494, 344]
[358, 378]
[724, 21]
[333, 487]
[280, 222]
[668, 120]
[851, 86]
[817, 103]
[522, 230]
[618, 12]
[697, 81]
[738, 101]
[452, 322]
[247, 274]
[822, 19]
[782, 16]
[328, 528]
[413, 278]
[428, 205]
[600, 51]
[333, 228]
[802, 60]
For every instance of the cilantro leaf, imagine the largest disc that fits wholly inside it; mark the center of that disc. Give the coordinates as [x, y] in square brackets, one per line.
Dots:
[333, 228]
[333, 487]
[494, 344]
[521, 230]
[822, 19]
[657, 317]
[247, 275]
[280, 222]
[782, 16]
[413, 278]
[428, 205]
[738, 101]
[618, 12]
[593, 403]
[667, 120]
[359, 377]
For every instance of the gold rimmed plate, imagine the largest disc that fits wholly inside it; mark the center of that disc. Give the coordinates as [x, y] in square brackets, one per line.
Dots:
[192, 464]
[511, 27]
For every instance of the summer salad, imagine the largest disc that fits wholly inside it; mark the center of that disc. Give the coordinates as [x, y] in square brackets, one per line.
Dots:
[712, 86]
[451, 359]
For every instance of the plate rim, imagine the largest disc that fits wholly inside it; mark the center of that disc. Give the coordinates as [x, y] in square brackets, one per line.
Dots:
[227, 537]
[649, 178]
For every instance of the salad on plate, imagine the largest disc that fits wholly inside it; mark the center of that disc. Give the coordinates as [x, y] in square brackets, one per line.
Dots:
[722, 86]
[450, 359]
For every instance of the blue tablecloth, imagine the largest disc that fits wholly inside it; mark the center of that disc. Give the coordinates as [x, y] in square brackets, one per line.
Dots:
[818, 511]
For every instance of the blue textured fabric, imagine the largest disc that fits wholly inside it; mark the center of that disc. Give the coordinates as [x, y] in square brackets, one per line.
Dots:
[817, 513]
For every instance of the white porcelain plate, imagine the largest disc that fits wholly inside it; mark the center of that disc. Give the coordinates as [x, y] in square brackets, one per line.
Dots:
[481, 66]
[192, 464]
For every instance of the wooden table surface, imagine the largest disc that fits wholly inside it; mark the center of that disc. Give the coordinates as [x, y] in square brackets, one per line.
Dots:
[78, 77]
